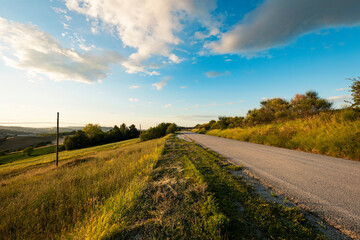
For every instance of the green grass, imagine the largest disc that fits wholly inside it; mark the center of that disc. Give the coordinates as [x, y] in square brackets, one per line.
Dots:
[326, 133]
[27, 163]
[12, 157]
[158, 189]
[192, 195]
[176, 204]
[90, 195]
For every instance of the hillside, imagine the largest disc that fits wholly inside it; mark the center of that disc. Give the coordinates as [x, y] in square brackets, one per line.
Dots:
[159, 189]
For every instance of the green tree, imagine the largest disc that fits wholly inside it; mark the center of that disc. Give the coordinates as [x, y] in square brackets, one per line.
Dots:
[79, 140]
[309, 103]
[172, 128]
[124, 131]
[114, 134]
[94, 133]
[355, 92]
[133, 132]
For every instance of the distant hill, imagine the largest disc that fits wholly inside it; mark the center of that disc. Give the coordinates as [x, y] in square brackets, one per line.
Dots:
[16, 131]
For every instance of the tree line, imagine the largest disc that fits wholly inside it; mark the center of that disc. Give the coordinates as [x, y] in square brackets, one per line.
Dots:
[280, 109]
[159, 131]
[92, 135]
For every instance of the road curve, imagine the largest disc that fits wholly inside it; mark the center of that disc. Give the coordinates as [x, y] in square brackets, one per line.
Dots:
[326, 186]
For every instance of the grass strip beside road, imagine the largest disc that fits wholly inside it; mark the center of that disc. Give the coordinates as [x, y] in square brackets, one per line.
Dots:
[192, 195]
[323, 134]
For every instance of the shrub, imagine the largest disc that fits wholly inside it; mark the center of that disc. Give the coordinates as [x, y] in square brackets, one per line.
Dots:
[28, 151]
[172, 128]
[155, 132]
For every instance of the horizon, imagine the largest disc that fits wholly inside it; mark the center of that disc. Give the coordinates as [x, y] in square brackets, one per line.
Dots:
[184, 62]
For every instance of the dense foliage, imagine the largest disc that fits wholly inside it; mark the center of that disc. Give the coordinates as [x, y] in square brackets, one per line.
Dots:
[355, 92]
[159, 131]
[275, 109]
[92, 135]
[305, 123]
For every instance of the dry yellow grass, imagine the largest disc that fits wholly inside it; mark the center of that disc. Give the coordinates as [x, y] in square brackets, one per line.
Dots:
[85, 197]
[325, 133]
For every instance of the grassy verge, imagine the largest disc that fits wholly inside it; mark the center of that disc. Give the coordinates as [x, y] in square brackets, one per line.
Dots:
[86, 197]
[323, 133]
[192, 195]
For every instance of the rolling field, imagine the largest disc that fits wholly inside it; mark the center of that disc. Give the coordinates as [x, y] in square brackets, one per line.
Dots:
[89, 194]
[18, 142]
[159, 189]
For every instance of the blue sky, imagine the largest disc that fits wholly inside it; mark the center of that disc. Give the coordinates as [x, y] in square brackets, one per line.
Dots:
[149, 61]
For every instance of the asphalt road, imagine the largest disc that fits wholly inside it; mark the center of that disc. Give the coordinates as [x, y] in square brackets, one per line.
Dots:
[326, 186]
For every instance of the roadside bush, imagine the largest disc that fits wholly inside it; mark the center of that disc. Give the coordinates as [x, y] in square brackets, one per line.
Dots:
[156, 132]
[28, 151]
[172, 128]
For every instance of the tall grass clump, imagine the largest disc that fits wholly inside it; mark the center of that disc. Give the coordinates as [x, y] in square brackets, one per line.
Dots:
[85, 197]
[334, 134]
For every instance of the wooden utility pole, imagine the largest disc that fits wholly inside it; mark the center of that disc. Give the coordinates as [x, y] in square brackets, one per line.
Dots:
[140, 129]
[57, 140]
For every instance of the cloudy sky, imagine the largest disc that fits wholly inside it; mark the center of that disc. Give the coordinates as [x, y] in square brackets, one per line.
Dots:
[189, 61]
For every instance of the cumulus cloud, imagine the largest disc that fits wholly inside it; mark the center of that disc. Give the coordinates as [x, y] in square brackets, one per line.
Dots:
[29, 48]
[167, 105]
[134, 87]
[148, 26]
[212, 74]
[161, 84]
[278, 22]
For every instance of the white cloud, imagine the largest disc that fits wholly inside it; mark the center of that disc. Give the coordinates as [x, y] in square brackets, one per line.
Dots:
[134, 87]
[212, 74]
[183, 87]
[341, 89]
[228, 60]
[59, 10]
[133, 99]
[167, 105]
[66, 26]
[148, 26]
[29, 48]
[339, 98]
[161, 84]
[175, 58]
[229, 103]
[68, 18]
[277, 22]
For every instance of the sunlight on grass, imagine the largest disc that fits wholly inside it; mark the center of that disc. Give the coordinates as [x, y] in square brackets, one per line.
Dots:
[323, 133]
[86, 196]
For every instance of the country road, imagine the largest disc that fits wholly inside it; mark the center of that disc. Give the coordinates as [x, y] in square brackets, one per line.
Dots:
[326, 186]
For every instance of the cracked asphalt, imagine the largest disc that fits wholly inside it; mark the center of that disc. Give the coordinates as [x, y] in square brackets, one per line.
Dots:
[326, 186]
